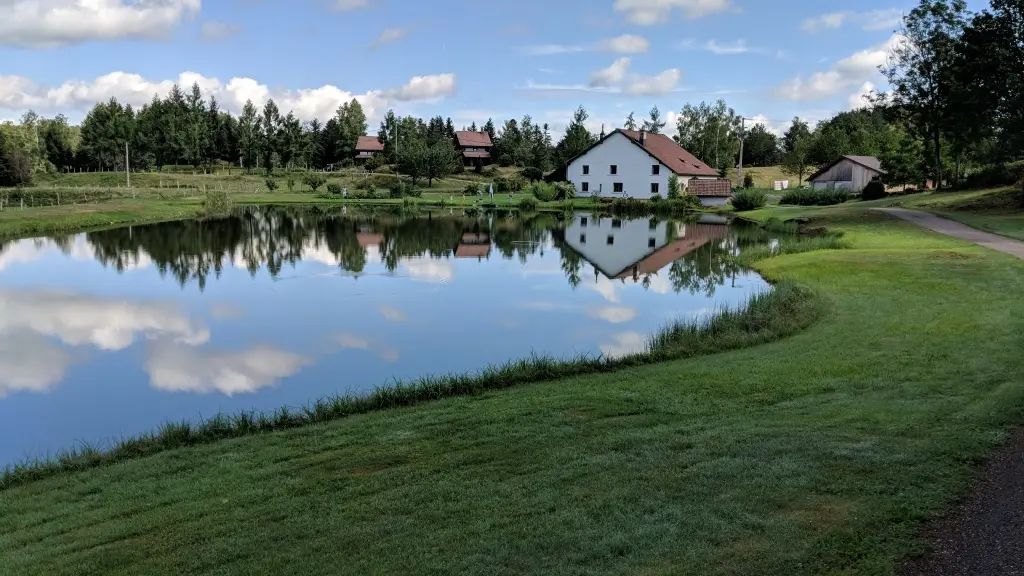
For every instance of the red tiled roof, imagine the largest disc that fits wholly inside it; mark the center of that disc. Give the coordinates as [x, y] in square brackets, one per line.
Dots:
[474, 139]
[719, 187]
[369, 144]
[468, 154]
[369, 239]
[666, 151]
[696, 236]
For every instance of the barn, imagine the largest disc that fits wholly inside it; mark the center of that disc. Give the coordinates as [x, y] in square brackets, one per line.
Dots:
[847, 173]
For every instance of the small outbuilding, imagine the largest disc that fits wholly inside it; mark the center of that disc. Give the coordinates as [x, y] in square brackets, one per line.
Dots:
[474, 147]
[367, 147]
[851, 173]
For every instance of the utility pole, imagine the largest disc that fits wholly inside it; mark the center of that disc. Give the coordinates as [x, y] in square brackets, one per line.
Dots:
[743, 134]
[127, 169]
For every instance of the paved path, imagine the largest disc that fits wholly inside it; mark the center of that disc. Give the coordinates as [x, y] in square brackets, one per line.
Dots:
[958, 230]
[984, 535]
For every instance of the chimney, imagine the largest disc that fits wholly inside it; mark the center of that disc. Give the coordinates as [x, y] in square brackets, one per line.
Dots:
[643, 137]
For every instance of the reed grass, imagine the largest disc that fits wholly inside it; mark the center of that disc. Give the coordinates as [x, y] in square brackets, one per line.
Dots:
[780, 312]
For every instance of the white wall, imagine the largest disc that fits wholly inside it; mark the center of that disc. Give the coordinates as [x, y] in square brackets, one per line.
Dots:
[632, 240]
[634, 170]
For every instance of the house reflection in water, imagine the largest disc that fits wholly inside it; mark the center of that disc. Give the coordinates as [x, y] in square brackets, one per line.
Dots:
[622, 249]
[474, 245]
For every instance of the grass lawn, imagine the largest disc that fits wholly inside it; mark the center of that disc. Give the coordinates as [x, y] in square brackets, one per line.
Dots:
[819, 454]
[764, 176]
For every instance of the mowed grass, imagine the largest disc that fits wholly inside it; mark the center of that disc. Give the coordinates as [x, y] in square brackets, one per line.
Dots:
[820, 454]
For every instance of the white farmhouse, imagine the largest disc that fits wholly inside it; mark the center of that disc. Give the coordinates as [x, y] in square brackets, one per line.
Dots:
[637, 164]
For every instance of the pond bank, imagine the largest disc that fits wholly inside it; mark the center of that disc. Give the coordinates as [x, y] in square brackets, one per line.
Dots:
[824, 452]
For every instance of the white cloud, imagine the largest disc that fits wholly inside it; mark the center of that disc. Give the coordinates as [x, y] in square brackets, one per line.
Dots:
[30, 364]
[84, 320]
[429, 269]
[727, 48]
[18, 93]
[843, 75]
[183, 369]
[351, 342]
[613, 314]
[348, 341]
[654, 85]
[425, 88]
[213, 31]
[52, 23]
[625, 44]
[388, 36]
[872, 20]
[611, 75]
[777, 128]
[624, 344]
[859, 99]
[649, 12]
[392, 314]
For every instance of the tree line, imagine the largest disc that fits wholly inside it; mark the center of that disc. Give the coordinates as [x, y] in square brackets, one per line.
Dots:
[955, 106]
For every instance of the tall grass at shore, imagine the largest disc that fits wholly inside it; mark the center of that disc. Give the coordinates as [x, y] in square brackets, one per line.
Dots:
[775, 314]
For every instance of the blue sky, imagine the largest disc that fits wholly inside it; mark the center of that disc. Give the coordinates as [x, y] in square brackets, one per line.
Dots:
[468, 59]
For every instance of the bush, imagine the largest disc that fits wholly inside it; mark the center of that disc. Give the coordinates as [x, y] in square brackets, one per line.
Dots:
[833, 197]
[403, 189]
[532, 174]
[875, 190]
[510, 184]
[373, 163]
[656, 198]
[271, 184]
[673, 187]
[371, 191]
[314, 181]
[334, 188]
[745, 200]
[291, 184]
[810, 197]
[528, 204]
[543, 192]
[996, 176]
[217, 203]
[799, 197]
[491, 170]
[565, 191]
[472, 190]
[748, 180]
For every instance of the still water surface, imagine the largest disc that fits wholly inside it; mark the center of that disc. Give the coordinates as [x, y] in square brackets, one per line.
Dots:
[112, 333]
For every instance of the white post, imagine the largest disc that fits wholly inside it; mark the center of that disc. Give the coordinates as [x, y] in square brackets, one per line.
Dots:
[743, 130]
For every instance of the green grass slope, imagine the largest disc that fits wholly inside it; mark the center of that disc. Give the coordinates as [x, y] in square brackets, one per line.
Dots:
[819, 454]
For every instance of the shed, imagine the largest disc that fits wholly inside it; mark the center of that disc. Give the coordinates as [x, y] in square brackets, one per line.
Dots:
[367, 146]
[847, 173]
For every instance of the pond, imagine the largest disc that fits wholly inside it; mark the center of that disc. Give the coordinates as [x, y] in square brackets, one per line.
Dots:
[113, 333]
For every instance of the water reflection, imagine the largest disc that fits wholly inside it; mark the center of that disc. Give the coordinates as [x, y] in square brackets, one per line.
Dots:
[283, 305]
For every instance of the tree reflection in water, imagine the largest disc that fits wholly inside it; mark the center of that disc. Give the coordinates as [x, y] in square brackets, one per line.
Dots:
[276, 237]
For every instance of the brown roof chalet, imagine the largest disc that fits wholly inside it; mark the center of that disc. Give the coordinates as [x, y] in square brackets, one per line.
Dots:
[369, 144]
[666, 151]
[474, 139]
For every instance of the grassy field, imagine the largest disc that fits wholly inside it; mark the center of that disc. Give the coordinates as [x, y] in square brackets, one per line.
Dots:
[819, 454]
[764, 176]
